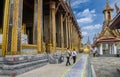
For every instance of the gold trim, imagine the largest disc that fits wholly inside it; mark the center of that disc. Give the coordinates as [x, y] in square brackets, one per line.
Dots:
[29, 46]
[39, 30]
[5, 27]
[58, 48]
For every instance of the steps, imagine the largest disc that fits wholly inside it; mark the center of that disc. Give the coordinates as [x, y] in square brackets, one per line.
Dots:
[15, 65]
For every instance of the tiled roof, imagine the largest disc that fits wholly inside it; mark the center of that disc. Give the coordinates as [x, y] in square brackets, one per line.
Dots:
[108, 40]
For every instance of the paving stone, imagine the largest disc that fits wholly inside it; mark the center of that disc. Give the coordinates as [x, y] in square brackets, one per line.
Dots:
[50, 70]
[106, 66]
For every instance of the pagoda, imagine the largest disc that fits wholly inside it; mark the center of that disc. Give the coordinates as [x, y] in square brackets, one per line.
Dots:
[107, 40]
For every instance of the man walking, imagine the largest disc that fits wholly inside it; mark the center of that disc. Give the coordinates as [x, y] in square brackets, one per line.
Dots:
[68, 54]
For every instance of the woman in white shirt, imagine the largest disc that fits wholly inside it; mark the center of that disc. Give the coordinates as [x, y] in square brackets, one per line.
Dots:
[74, 54]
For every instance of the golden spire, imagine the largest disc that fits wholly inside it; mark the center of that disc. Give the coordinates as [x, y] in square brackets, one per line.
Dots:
[107, 7]
[107, 2]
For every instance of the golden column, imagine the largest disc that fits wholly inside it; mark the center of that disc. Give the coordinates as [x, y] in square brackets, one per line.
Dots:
[52, 27]
[5, 27]
[73, 36]
[68, 32]
[71, 27]
[38, 20]
[70, 37]
[62, 36]
[16, 27]
[80, 44]
[66, 22]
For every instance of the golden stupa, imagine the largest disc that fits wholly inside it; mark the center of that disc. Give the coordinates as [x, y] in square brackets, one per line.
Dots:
[86, 49]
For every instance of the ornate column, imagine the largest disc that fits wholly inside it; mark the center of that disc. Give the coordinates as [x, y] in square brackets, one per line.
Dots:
[52, 26]
[38, 20]
[115, 49]
[68, 32]
[66, 22]
[62, 36]
[109, 48]
[5, 27]
[71, 27]
[101, 49]
[80, 48]
[16, 26]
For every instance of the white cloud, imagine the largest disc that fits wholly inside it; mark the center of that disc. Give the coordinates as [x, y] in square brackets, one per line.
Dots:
[92, 27]
[86, 13]
[76, 3]
[84, 33]
[85, 20]
[86, 17]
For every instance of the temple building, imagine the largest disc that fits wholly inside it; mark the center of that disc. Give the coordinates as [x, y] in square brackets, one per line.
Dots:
[115, 25]
[37, 26]
[108, 39]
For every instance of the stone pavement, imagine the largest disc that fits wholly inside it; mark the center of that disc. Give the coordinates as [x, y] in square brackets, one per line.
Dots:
[50, 70]
[79, 69]
[106, 66]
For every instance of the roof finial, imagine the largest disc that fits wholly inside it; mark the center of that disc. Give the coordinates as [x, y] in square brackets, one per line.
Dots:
[107, 2]
[117, 8]
[69, 2]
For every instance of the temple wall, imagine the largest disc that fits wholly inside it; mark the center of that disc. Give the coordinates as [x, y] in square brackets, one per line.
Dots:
[16, 40]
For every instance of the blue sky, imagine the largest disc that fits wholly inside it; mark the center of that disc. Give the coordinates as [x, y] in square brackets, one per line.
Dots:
[89, 14]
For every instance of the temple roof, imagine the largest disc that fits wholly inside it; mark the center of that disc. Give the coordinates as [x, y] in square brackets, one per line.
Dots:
[107, 36]
[108, 40]
[115, 22]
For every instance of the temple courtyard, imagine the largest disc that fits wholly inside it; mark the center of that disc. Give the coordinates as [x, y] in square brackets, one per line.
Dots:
[101, 67]
[106, 66]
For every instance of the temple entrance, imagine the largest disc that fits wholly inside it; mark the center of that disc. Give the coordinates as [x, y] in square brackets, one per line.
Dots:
[27, 21]
[2, 4]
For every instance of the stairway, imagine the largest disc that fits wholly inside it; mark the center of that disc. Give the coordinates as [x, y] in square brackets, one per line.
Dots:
[15, 65]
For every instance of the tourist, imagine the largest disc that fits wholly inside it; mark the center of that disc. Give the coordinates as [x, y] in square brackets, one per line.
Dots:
[94, 51]
[74, 54]
[68, 54]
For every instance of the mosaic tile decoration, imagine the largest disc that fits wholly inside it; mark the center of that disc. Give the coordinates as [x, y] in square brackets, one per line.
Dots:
[10, 25]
